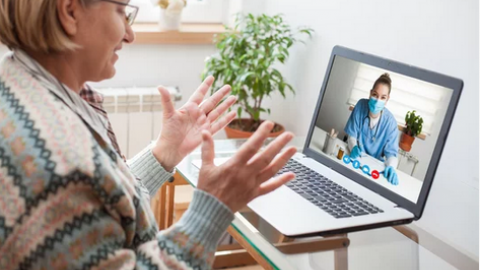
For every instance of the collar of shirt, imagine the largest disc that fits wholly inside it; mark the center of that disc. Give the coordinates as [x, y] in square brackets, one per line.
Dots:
[91, 96]
[71, 99]
[95, 99]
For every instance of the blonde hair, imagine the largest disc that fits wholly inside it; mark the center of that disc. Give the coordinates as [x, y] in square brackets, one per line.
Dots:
[34, 25]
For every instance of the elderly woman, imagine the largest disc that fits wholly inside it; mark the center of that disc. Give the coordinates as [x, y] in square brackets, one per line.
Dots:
[67, 199]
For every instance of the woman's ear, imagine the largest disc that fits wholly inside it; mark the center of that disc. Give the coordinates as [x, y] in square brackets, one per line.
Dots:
[66, 10]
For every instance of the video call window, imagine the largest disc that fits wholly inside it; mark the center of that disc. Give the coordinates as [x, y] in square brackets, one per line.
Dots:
[362, 121]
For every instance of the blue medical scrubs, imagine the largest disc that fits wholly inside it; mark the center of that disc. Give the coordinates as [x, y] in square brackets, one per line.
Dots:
[379, 142]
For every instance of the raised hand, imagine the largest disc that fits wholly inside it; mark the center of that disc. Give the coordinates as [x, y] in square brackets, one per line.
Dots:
[182, 129]
[249, 173]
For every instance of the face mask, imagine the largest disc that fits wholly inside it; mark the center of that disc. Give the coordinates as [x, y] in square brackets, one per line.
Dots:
[375, 105]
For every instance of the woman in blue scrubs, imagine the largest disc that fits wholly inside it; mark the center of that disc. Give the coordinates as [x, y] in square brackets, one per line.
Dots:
[372, 128]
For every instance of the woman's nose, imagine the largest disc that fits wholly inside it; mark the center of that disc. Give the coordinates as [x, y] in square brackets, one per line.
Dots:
[129, 35]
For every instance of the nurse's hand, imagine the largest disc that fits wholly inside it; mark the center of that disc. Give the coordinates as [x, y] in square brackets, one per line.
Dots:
[356, 152]
[391, 175]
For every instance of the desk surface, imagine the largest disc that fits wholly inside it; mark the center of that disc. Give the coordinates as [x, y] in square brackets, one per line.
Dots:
[384, 248]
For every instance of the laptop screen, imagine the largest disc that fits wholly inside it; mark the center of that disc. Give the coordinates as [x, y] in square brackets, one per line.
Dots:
[380, 124]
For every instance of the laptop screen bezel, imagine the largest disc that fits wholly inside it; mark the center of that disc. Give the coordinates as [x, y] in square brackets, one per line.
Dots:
[454, 84]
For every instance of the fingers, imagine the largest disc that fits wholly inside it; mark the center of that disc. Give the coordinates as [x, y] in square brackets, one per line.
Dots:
[208, 149]
[263, 158]
[199, 94]
[392, 177]
[222, 122]
[253, 144]
[278, 163]
[212, 101]
[168, 109]
[223, 107]
[275, 183]
[388, 172]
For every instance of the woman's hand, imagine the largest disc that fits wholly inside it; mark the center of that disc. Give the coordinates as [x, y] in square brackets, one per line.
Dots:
[248, 174]
[182, 128]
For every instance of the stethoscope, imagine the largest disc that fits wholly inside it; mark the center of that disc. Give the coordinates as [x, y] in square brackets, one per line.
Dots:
[374, 137]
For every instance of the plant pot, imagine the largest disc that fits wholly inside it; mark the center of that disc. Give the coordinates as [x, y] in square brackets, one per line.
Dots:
[169, 21]
[234, 133]
[406, 142]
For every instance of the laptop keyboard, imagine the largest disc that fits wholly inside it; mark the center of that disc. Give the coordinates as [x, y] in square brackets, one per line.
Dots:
[326, 194]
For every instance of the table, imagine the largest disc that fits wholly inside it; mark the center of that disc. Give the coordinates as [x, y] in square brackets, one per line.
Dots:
[384, 248]
[409, 157]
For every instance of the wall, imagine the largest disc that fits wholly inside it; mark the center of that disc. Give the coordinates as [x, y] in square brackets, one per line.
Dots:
[334, 112]
[423, 149]
[151, 65]
[440, 35]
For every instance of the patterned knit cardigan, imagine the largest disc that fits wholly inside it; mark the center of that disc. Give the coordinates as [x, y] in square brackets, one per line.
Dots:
[68, 201]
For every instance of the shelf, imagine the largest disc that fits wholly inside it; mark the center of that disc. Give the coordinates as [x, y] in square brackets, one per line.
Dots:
[149, 33]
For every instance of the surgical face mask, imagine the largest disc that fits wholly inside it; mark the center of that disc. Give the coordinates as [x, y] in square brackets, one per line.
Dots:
[375, 105]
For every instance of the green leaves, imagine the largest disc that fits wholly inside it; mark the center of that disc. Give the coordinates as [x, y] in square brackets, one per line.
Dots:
[246, 56]
[239, 112]
[413, 123]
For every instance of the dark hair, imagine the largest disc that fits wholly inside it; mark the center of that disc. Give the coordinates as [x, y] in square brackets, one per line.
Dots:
[384, 79]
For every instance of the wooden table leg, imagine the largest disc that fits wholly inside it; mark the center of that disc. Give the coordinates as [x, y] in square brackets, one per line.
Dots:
[314, 245]
[284, 239]
[161, 211]
[341, 258]
[403, 229]
[170, 203]
[251, 250]
[232, 258]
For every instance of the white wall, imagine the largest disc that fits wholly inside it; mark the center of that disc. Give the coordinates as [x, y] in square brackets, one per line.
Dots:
[423, 149]
[150, 65]
[334, 110]
[440, 35]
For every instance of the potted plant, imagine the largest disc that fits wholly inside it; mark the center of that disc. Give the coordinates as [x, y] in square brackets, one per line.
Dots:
[413, 127]
[246, 58]
[170, 13]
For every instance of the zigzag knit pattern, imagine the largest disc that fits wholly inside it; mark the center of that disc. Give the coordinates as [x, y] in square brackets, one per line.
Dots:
[68, 202]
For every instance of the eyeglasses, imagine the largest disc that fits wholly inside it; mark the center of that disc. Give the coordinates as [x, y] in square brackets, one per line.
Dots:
[130, 11]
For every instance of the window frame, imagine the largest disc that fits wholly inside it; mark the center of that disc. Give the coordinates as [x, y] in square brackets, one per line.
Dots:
[433, 98]
[196, 11]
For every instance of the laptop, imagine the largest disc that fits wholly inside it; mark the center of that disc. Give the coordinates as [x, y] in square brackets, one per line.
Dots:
[335, 193]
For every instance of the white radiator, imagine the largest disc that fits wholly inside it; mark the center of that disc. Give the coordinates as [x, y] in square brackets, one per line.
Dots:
[136, 115]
